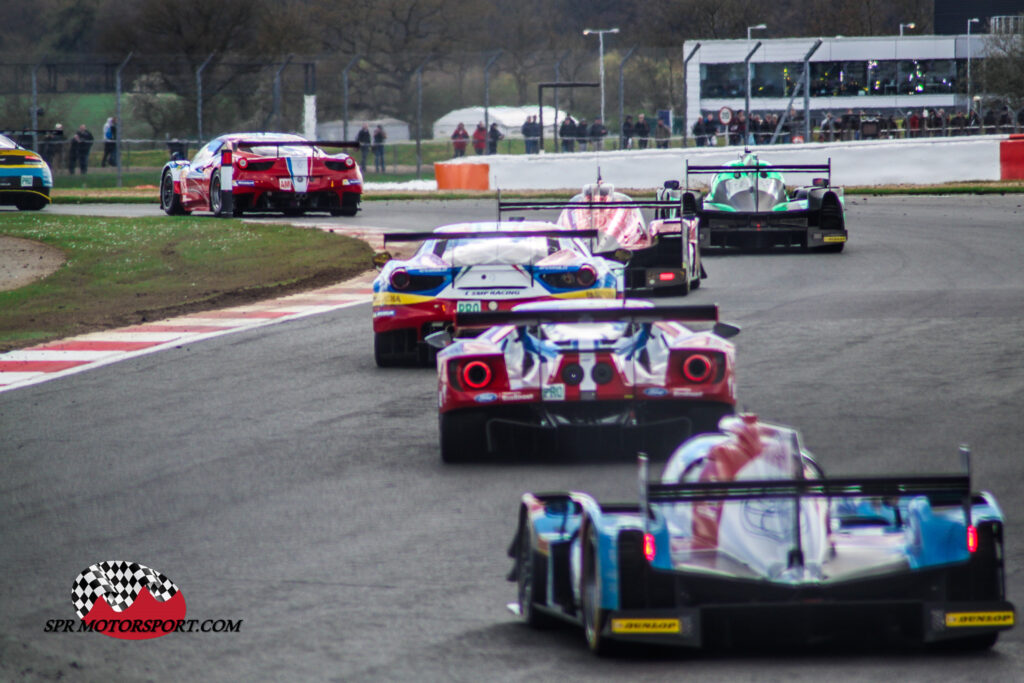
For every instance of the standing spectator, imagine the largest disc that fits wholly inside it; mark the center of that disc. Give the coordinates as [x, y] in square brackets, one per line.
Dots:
[598, 132]
[582, 130]
[480, 138]
[494, 136]
[1004, 121]
[642, 130]
[662, 134]
[53, 146]
[990, 122]
[699, 132]
[567, 131]
[533, 131]
[460, 138]
[914, 125]
[710, 131]
[828, 128]
[379, 136]
[527, 130]
[81, 144]
[935, 123]
[365, 140]
[626, 139]
[109, 142]
[973, 122]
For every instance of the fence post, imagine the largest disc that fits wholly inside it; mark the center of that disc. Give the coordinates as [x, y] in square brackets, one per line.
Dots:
[118, 123]
[199, 97]
[344, 92]
[487, 89]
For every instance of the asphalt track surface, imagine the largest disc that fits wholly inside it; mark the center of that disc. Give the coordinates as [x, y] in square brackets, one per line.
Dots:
[279, 477]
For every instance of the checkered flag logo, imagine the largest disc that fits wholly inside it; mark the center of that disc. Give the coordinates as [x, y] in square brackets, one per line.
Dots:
[119, 583]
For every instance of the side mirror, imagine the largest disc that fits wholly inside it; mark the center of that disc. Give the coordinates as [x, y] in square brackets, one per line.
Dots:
[725, 330]
[671, 184]
[439, 339]
[380, 258]
[820, 182]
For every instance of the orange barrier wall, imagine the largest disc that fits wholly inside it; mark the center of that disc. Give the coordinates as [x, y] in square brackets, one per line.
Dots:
[1011, 158]
[462, 176]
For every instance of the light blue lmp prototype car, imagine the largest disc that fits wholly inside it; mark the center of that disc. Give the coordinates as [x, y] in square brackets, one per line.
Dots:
[744, 533]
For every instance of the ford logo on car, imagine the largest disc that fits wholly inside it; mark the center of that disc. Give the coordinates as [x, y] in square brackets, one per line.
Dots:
[486, 398]
[655, 391]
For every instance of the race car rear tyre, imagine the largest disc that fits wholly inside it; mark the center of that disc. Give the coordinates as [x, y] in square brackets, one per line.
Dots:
[526, 582]
[594, 616]
[169, 201]
[463, 436]
[349, 206]
[216, 204]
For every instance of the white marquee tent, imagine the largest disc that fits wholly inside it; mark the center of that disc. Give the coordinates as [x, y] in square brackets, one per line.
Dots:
[509, 120]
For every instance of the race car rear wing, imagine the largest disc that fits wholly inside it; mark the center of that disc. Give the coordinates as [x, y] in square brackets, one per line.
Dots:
[295, 143]
[697, 169]
[491, 234]
[705, 313]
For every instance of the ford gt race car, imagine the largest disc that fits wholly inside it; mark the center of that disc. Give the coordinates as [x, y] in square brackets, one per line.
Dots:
[584, 378]
[243, 172]
[474, 267]
[745, 540]
[25, 179]
[749, 206]
[662, 257]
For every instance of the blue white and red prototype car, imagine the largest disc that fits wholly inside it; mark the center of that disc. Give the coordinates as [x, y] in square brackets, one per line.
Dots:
[587, 379]
[472, 267]
[745, 541]
[255, 172]
[662, 256]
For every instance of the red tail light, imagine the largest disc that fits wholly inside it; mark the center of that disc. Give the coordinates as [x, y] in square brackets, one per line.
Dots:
[242, 163]
[349, 163]
[586, 276]
[476, 374]
[972, 538]
[665, 277]
[400, 279]
[650, 550]
[698, 368]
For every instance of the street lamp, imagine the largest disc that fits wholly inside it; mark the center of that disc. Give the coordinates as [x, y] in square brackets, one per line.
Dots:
[903, 26]
[975, 20]
[600, 46]
[759, 27]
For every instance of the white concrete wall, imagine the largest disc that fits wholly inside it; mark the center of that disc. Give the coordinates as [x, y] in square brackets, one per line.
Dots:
[876, 162]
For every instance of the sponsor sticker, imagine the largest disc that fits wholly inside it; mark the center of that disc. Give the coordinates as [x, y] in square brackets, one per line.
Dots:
[834, 238]
[486, 398]
[387, 313]
[467, 306]
[26, 181]
[645, 626]
[960, 619]
[516, 396]
[553, 392]
[245, 183]
[285, 184]
[656, 391]
[684, 391]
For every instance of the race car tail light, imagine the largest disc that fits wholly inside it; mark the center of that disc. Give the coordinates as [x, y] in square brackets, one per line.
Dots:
[33, 158]
[586, 276]
[476, 374]
[349, 163]
[698, 368]
[242, 163]
[650, 548]
[666, 276]
[400, 278]
[972, 538]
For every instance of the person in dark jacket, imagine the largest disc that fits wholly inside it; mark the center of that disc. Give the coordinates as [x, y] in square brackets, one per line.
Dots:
[567, 131]
[81, 145]
[583, 134]
[379, 136]
[642, 130]
[365, 140]
[626, 139]
[597, 134]
[494, 136]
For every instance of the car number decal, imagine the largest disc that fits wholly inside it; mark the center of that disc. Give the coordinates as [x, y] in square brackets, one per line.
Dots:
[285, 184]
[553, 392]
[26, 181]
[467, 307]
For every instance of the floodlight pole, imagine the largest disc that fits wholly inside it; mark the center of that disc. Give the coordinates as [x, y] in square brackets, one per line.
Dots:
[807, 89]
[117, 114]
[35, 107]
[622, 89]
[199, 97]
[487, 89]
[600, 48]
[344, 91]
[970, 105]
[746, 123]
[419, 115]
[686, 99]
[558, 77]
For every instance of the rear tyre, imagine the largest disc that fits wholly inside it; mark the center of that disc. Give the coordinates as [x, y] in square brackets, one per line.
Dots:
[170, 202]
[463, 436]
[216, 203]
[526, 585]
[590, 596]
[31, 204]
[349, 206]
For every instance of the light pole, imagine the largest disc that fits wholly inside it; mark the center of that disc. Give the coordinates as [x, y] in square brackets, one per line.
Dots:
[903, 26]
[600, 47]
[975, 20]
[746, 124]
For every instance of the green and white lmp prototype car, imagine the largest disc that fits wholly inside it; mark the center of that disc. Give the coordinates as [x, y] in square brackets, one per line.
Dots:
[749, 206]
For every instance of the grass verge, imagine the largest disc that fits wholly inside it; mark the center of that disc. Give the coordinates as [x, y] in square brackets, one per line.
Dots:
[122, 271]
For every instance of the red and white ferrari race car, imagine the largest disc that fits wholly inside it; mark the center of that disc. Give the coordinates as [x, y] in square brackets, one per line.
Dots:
[242, 172]
[661, 256]
[478, 267]
[592, 378]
